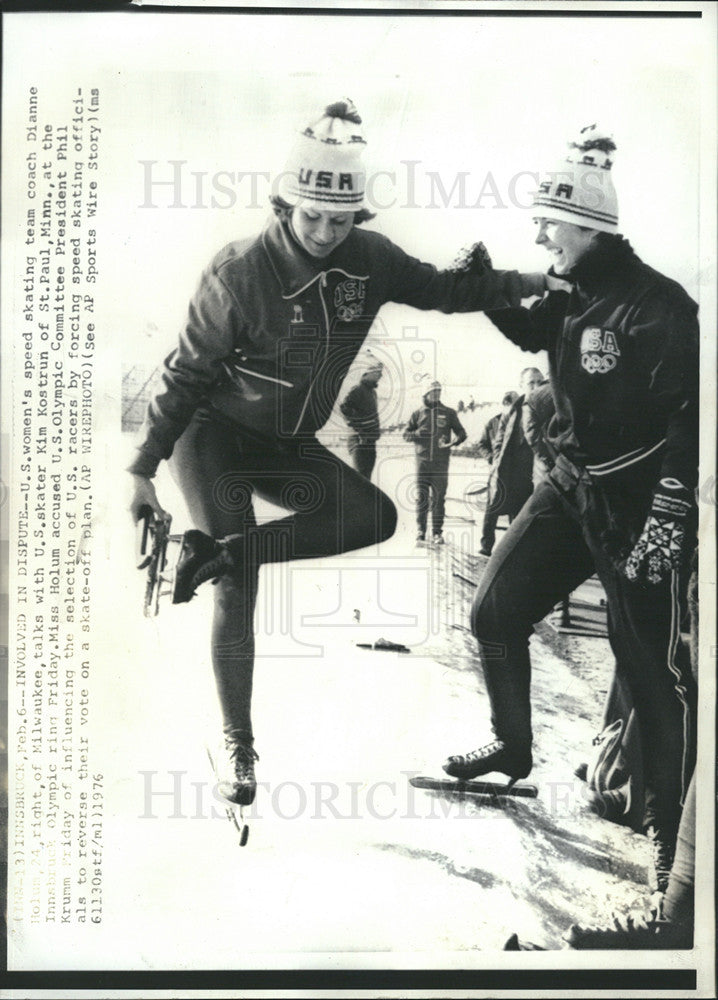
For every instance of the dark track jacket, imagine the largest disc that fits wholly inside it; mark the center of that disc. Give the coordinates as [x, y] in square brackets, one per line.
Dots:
[431, 425]
[359, 409]
[272, 331]
[623, 357]
[487, 446]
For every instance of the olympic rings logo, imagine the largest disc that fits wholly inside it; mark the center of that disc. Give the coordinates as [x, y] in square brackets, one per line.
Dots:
[594, 363]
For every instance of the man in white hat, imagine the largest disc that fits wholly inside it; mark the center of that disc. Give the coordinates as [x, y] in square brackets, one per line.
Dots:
[360, 409]
[622, 343]
[434, 430]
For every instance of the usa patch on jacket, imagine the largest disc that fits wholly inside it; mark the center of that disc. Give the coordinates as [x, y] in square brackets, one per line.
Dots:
[599, 350]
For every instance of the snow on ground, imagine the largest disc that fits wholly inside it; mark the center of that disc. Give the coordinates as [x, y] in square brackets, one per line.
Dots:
[344, 855]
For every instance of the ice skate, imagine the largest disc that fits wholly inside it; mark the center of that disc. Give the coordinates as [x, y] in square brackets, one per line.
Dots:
[233, 767]
[493, 789]
[201, 558]
[154, 542]
[663, 852]
[494, 756]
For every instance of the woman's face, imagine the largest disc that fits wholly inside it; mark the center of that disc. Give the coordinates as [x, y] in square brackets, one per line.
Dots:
[565, 242]
[321, 232]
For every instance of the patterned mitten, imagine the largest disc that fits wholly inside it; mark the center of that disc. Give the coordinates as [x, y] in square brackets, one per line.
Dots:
[658, 551]
[473, 259]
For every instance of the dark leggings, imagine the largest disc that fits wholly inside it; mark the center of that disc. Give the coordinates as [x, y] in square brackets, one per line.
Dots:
[219, 467]
[363, 455]
[546, 554]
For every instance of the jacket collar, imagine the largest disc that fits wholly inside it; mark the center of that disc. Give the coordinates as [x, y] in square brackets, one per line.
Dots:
[292, 265]
[603, 265]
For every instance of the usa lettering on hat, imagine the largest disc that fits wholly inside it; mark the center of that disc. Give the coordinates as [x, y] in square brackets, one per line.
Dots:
[580, 187]
[325, 169]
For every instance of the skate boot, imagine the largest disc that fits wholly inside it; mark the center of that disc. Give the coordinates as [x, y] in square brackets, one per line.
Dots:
[632, 932]
[663, 852]
[495, 756]
[438, 539]
[236, 780]
[421, 538]
[201, 558]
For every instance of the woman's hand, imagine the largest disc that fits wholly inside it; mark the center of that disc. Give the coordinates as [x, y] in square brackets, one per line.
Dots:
[143, 494]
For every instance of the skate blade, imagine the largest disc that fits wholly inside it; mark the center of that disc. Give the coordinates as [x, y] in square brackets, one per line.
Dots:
[161, 576]
[234, 811]
[474, 787]
[235, 815]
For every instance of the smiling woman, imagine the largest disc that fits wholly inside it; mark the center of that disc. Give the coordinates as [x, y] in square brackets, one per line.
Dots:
[271, 333]
[320, 232]
[623, 348]
[566, 242]
[579, 191]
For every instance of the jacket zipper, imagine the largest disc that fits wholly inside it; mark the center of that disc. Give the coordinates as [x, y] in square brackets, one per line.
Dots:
[266, 378]
[322, 284]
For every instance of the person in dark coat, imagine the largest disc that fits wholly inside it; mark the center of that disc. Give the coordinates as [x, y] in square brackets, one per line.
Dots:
[361, 412]
[623, 349]
[434, 430]
[489, 444]
[536, 415]
[511, 480]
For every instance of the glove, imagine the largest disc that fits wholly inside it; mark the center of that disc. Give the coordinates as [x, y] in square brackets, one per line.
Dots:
[659, 549]
[473, 259]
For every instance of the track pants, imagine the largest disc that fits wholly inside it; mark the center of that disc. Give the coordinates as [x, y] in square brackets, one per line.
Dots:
[219, 468]
[554, 544]
[432, 480]
[363, 455]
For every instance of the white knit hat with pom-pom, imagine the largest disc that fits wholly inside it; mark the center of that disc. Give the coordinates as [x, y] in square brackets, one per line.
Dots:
[580, 188]
[325, 171]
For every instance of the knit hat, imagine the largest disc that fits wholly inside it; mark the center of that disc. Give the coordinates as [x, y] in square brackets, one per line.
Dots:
[371, 363]
[580, 189]
[325, 171]
[425, 386]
